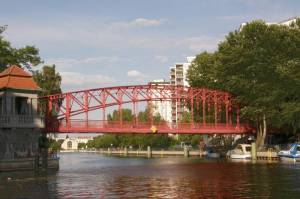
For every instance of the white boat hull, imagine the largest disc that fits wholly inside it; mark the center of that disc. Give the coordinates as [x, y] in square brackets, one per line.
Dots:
[289, 159]
[240, 156]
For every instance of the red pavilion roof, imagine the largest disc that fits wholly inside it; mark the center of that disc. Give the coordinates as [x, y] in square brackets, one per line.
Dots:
[15, 77]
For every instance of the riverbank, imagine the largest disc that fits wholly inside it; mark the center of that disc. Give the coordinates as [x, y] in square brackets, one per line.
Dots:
[261, 155]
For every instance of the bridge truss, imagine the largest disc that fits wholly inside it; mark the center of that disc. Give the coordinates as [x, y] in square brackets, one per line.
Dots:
[211, 111]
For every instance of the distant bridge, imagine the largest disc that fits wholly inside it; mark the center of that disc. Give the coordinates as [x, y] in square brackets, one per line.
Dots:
[68, 112]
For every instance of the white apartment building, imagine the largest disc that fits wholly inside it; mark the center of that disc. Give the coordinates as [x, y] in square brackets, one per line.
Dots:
[178, 77]
[286, 22]
[163, 108]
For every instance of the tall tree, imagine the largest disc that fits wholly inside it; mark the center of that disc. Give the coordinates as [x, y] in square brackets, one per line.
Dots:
[50, 82]
[26, 57]
[260, 65]
[48, 79]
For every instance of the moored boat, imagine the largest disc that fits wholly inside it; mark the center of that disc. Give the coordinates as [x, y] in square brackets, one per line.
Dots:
[242, 151]
[293, 154]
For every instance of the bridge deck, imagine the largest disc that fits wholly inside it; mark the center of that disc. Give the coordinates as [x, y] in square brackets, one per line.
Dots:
[144, 128]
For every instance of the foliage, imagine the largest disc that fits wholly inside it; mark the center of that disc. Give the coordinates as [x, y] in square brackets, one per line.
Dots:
[55, 145]
[27, 56]
[135, 141]
[126, 115]
[48, 80]
[47, 143]
[186, 117]
[260, 64]
[81, 145]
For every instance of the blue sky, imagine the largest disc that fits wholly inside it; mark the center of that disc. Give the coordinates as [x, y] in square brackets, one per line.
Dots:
[98, 43]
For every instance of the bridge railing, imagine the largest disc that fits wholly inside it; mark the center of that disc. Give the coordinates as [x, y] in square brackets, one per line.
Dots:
[103, 126]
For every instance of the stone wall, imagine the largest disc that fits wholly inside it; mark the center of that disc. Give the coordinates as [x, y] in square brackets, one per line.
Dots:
[18, 143]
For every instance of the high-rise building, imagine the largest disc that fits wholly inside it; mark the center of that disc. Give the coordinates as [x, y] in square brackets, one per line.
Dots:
[163, 108]
[178, 77]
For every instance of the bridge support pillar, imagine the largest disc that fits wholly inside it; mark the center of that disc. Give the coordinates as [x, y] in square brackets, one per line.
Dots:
[186, 151]
[253, 151]
[149, 152]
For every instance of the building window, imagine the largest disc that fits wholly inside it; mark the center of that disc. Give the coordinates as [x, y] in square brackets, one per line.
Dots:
[69, 144]
[21, 106]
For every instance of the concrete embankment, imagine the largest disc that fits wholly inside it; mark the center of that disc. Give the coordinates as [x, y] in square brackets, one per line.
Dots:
[260, 155]
[27, 164]
[144, 152]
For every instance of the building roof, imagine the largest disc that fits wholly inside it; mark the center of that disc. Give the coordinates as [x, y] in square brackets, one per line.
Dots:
[15, 77]
[289, 20]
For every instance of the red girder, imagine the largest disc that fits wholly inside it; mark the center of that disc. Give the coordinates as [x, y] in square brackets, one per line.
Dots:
[81, 102]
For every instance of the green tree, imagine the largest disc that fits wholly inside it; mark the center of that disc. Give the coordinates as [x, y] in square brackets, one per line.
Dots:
[81, 145]
[203, 71]
[126, 115]
[26, 57]
[55, 145]
[48, 79]
[145, 116]
[186, 117]
[136, 141]
[260, 65]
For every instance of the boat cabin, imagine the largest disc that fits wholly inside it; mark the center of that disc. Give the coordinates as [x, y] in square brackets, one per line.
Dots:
[244, 148]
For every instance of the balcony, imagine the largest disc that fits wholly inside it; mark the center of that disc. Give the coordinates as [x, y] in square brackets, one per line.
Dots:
[21, 121]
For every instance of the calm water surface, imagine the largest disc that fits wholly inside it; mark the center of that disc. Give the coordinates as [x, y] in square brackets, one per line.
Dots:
[87, 175]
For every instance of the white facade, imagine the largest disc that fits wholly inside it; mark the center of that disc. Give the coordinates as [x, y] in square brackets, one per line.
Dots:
[163, 108]
[178, 77]
[72, 143]
[285, 22]
[288, 21]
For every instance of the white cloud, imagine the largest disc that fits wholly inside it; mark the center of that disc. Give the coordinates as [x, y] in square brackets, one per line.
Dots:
[75, 80]
[103, 34]
[136, 23]
[67, 63]
[162, 59]
[86, 32]
[147, 22]
[203, 43]
[136, 75]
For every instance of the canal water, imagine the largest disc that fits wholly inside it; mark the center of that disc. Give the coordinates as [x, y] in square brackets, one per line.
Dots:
[89, 175]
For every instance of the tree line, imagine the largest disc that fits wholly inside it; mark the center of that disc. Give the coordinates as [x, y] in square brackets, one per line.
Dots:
[139, 141]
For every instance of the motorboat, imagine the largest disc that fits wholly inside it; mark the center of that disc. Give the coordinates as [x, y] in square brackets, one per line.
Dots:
[293, 154]
[242, 151]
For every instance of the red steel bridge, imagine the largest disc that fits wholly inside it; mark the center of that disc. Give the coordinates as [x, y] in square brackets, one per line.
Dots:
[211, 111]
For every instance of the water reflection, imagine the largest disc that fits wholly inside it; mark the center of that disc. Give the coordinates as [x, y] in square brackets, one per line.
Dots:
[94, 176]
[27, 184]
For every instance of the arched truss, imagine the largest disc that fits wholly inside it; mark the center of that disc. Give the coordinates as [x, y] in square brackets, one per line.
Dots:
[217, 109]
